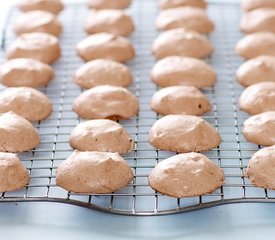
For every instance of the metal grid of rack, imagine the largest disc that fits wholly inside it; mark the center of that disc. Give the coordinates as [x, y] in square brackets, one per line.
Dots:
[138, 198]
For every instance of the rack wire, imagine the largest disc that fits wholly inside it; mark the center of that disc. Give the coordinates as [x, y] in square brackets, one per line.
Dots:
[138, 198]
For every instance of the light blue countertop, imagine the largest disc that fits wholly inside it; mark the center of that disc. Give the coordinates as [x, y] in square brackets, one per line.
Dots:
[55, 221]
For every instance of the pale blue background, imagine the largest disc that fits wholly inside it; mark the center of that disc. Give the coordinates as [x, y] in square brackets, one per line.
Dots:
[57, 221]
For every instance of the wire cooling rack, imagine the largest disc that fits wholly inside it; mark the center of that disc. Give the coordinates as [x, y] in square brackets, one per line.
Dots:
[138, 198]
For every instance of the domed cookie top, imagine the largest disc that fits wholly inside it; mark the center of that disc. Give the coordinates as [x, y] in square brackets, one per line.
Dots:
[101, 135]
[40, 46]
[25, 72]
[186, 175]
[164, 4]
[177, 70]
[103, 72]
[249, 5]
[180, 100]
[16, 133]
[256, 70]
[53, 6]
[111, 21]
[261, 168]
[107, 46]
[37, 21]
[13, 174]
[260, 129]
[179, 42]
[256, 44]
[259, 20]
[26, 102]
[189, 18]
[93, 172]
[107, 4]
[106, 102]
[258, 98]
[183, 133]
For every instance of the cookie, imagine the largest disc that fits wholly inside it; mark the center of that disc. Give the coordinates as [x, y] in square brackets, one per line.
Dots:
[17, 134]
[40, 46]
[106, 102]
[106, 46]
[13, 174]
[53, 6]
[25, 72]
[176, 71]
[37, 21]
[258, 98]
[183, 133]
[21, 101]
[107, 4]
[259, 20]
[165, 4]
[180, 100]
[260, 129]
[93, 172]
[256, 44]
[111, 21]
[256, 70]
[101, 135]
[179, 42]
[103, 72]
[189, 18]
[186, 175]
[261, 168]
[248, 5]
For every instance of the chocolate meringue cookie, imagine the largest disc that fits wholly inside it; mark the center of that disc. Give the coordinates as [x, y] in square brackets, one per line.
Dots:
[259, 20]
[180, 100]
[17, 134]
[25, 72]
[260, 129]
[103, 72]
[111, 21]
[248, 5]
[93, 172]
[40, 46]
[26, 102]
[186, 175]
[256, 44]
[37, 21]
[183, 133]
[53, 6]
[258, 98]
[189, 18]
[165, 4]
[106, 46]
[185, 71]
[101, 135]
[106, 102]
[256, 70]
[13, 174]
[179, 42]
[261, 168]
[107, 4]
